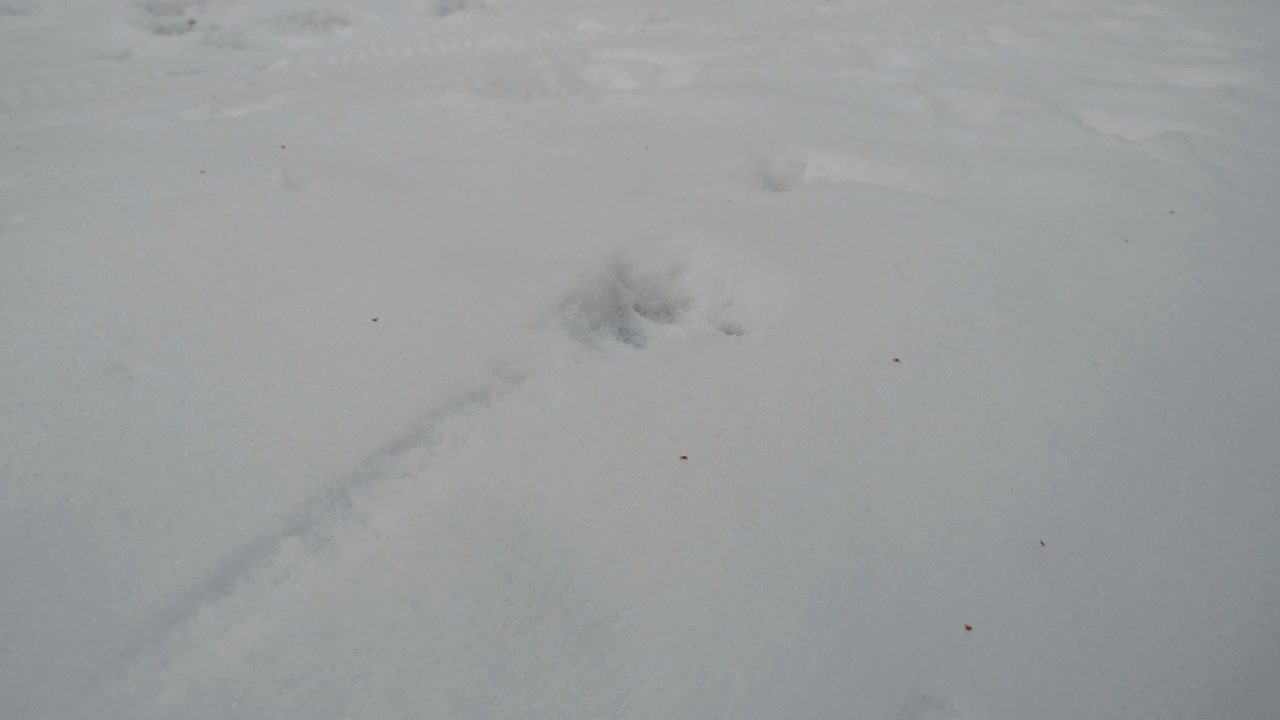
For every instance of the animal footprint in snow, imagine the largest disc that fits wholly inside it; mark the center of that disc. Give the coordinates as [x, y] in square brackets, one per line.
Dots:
[626, 300]
[635, 300]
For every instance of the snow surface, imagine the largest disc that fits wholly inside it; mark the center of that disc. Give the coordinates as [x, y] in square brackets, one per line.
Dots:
[647, 359]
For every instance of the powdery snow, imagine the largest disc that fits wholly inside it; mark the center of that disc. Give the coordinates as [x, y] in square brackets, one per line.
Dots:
[653, 359]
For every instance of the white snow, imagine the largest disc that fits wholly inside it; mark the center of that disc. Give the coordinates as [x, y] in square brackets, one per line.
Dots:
[648, 359]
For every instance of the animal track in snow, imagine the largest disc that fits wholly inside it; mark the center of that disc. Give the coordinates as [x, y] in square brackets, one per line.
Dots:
[626, 302]
[634, 301]
[631, 300]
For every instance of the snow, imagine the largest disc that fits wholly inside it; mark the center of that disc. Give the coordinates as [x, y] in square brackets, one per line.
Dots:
[654, 359]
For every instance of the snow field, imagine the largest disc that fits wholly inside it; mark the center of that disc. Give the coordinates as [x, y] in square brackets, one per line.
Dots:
[657, 359]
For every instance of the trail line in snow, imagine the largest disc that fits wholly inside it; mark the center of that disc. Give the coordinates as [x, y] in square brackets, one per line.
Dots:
[624, 305]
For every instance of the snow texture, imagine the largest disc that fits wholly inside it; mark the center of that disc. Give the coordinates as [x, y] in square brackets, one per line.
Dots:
[884, 359]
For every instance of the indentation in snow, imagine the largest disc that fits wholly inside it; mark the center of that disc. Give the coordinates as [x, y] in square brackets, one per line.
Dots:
[635, 298]
[792, 168]
[626, 300]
